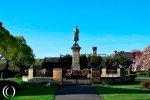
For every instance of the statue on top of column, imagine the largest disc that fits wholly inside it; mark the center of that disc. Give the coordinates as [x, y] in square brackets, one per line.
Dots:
[76, 34]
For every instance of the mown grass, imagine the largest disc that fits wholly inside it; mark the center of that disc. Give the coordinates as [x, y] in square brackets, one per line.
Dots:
[30, 91]
[123, 92]
[35, 92]
[18, 80]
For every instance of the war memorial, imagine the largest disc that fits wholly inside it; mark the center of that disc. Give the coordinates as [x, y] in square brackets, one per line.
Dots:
[76, 75]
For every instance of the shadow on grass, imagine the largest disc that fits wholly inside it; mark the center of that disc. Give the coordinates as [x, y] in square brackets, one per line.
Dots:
[113, 90]
[36, 89]
[130, 88]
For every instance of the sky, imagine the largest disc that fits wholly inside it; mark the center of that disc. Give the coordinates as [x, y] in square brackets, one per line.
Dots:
[47, 25]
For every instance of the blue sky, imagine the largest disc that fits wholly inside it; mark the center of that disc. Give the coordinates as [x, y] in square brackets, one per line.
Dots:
[47, 25]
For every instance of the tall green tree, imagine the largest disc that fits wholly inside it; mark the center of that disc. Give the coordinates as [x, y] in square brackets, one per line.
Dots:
[95, 60]
[116, 60]
[83, 61]
[120, 59]
[24, 54]
[66, 61]
[15, 50]
[7, 46]
[109, 62]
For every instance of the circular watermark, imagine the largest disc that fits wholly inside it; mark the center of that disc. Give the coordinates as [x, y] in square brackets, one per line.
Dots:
[9, 91]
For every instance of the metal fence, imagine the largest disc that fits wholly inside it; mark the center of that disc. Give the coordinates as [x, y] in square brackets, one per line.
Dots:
[76, 81]
[43, 73]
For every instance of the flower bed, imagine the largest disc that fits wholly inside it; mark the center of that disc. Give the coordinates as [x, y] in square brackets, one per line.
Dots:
[145, 84]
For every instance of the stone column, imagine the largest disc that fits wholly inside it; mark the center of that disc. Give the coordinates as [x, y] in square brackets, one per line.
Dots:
[57, 74]
[103, 72]
[118, 72]
[75, 57]
[30, 73]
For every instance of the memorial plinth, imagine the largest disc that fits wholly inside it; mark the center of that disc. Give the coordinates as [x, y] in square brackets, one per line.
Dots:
[75, 57]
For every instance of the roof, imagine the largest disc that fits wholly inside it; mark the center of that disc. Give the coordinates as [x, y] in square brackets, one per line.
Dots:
[51, 59]
[128, 55]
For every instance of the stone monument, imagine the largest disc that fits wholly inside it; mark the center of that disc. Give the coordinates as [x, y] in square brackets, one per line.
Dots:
[76, 51]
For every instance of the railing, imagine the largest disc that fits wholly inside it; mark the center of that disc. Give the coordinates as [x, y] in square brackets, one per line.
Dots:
[43, 73]
[76, 81]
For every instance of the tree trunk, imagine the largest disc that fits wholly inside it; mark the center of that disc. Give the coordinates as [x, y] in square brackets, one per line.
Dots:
[7, 64]
[1, 75]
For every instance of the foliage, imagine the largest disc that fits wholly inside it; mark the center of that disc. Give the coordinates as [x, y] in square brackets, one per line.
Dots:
[9, 73]
[7, 45]
[95, 60]
[145, 84]
[15, 50]
[66, 61]
[144, 60]
[131, 78]
[116, 60]
[24, 55]
[136, 50]
[83, 61]
[10, 83]
[2, 65]
[38, 63]
[143, 73]
[105, 82]
[120, 59]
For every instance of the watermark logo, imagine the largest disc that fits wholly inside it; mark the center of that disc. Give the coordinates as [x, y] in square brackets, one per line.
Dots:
[9, 91]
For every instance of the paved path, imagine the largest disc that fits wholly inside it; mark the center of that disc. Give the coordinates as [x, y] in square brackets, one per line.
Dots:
[77, 92]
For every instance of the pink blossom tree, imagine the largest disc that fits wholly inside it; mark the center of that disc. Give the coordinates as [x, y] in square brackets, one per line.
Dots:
[136, 62]
[144, 60]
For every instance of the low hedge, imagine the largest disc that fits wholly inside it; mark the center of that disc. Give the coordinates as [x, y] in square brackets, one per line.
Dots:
[4, 83]
[143, 73]
[145, 84]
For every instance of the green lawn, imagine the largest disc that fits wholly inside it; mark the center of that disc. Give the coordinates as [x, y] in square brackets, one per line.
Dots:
[18, 80]
[123, 92]
[34, 91]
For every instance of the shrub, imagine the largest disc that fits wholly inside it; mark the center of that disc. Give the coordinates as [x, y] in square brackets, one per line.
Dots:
[131, 78]
[4, 83]
[145, 84]
[143, 73]
[8, 73]
[18, 75]
[105, 82]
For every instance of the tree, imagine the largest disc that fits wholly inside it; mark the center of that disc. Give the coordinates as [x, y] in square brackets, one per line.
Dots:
[109, 62]
[144, 60]
[2, 65]
[15, 50]
[38, 63]
[120, 59]
[7, 46]
[83, 61]
[24, 54]
[135, 50]
[116, 60]
[95, 60]
[66, 61]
